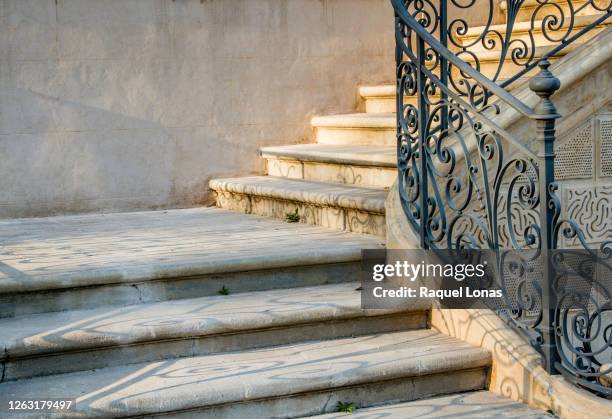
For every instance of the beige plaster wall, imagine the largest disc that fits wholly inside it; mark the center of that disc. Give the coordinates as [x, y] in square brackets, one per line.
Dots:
[135, 104]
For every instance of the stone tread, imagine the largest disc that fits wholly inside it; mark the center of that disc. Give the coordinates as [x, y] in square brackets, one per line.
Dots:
[384, 121]
[522, 27]
[535, 3]
[85, 250]
[381, 91]
[476, 404]
[110, 326]
[206, 381]
[492, 56]
[367, 199]
[381, 156]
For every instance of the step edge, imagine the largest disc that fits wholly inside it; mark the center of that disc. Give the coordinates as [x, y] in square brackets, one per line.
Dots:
[449, 400]
[356, 383]
[112, 276]
[377, 91]
[338, 200]
[327, 157]
[254, 324]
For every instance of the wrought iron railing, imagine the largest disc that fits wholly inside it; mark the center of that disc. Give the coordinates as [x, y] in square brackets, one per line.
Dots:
[465, 181]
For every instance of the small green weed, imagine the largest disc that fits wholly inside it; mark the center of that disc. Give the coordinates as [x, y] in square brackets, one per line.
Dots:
[224, 291]
[345, 407]
[292, 217]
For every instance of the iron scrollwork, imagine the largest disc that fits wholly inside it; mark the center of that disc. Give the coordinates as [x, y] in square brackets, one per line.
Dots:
[466, 183]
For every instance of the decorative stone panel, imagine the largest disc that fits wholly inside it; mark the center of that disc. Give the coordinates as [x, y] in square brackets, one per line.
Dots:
[605, 144]
[574, 154]
[591, 208]
[521, 219]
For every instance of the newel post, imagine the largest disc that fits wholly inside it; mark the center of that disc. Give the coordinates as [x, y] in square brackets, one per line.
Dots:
[544, 84]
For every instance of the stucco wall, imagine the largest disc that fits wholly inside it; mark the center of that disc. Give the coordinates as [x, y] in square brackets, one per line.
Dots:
[135, 104]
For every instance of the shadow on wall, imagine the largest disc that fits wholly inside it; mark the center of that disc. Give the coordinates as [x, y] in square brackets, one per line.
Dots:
[104, 159]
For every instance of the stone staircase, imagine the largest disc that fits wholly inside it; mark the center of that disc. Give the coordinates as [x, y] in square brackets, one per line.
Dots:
[211, 313]
[339, 182]
[342, 180]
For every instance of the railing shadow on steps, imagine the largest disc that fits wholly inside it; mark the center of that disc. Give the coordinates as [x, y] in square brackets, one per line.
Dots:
[465, 182]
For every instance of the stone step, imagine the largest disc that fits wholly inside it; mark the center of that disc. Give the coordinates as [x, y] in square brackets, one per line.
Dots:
[522, 30]
[287, 381]
[54, 343]
[473, 404]
[74, 262]
[356, 129]
[354, 165]
[489, 59]
[527, 9]
[336, 206]
[381, 98]
[489, 62]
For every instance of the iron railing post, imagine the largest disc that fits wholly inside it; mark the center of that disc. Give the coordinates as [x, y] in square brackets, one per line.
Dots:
[544, 84]
[443, 63]
[423, 116]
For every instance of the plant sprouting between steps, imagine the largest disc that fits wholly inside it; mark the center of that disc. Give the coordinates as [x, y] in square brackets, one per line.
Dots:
[345, 407]
[224, 291]
[292, 217]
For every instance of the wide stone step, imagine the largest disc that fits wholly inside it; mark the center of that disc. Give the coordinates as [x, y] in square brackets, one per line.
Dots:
[355, 165]
[356, 129]
[336, 206]
[78, 340]
[288, 381]
[473, 404]
[64, 263]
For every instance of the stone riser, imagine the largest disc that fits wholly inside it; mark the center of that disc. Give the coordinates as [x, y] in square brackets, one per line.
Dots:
[339, 218]
[336, 173]
[59, 363]
[356, 136]
[382, 104]
[387, 104]
[362, 395]
[124, 294]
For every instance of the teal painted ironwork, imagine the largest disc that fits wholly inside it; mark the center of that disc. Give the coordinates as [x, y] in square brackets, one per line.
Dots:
[467, 183]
